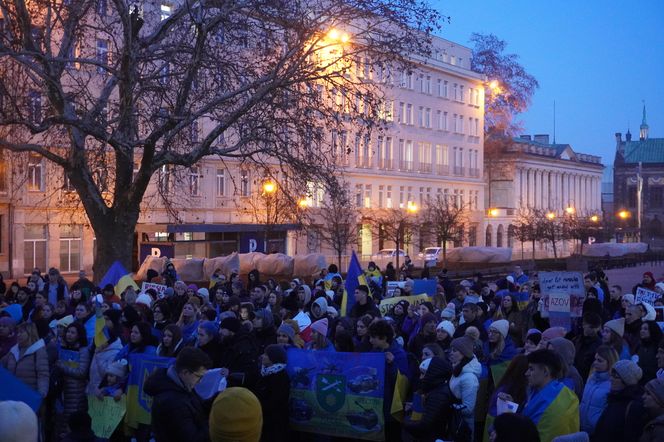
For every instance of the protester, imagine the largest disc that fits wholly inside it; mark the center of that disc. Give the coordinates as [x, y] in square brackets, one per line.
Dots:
[171, 342]
[27, 360]
[464, 383]
[273, 391]
[178, 413]
[597, 388]
[236, 416]
[651, 336]
[653, 402]
[74, 370]
[622, 418]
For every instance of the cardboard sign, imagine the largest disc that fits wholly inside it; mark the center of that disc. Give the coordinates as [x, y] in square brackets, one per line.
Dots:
[386, 304]
[568, 283]
[106, 414]
[159, 288]
[647, 296]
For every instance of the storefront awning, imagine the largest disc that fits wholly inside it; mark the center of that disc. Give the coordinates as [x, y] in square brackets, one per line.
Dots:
[231, 228]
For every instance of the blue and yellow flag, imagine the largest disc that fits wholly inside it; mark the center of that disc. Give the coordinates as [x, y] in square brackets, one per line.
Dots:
[139, 404]
[354, 278]
[119, 278]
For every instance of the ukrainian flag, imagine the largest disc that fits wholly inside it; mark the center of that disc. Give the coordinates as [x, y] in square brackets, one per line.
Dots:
[139, 404]
[354, 278]
[119, 278]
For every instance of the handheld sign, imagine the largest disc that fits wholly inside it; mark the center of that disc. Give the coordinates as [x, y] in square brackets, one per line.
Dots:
[568, 283]
[647, 296]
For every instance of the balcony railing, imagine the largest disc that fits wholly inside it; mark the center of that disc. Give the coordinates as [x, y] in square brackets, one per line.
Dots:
[386, 163]
[425, 167]
[473, 172]
[458, 171]
[406, 165]
[443, 169]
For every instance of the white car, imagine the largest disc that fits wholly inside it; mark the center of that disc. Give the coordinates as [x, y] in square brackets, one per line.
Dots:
[388, 253]
[431, 255]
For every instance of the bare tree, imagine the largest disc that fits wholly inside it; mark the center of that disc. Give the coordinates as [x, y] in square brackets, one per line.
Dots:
[525, 228]
[446, 221]
[135, 91]
[395, 225]
[338, 227]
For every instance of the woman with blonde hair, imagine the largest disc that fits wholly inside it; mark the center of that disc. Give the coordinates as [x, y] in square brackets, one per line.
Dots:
[598, 385]
[188, 321]
[28, 360]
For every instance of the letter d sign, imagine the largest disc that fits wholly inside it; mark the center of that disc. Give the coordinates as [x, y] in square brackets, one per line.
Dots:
[252, 245]
[155, 251]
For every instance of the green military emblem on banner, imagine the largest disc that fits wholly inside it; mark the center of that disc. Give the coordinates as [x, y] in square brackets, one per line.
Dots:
[331, 391]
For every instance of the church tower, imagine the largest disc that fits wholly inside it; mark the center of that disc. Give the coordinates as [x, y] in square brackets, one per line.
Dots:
[643, 132]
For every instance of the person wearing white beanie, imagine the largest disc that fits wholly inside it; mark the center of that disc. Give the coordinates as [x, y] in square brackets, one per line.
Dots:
[144, 299]
[650, 313]
[18, 423]
[502, 326]
[447, 327]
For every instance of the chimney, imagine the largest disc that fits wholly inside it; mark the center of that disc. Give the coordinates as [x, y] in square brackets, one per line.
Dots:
[628, 136]
[542, 138]
[619, 143]
[618, 137]
[524, 137]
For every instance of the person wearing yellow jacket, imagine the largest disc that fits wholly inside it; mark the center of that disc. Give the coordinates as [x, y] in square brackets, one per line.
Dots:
[553, 408]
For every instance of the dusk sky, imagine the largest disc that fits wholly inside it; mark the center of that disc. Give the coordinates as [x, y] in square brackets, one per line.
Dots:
[597, 59]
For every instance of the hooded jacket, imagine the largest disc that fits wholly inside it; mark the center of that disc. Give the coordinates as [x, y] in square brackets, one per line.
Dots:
[100, 362]
[617, 423]
[273, 392]
[31, 367]
[594, 400]
[437, 403]
[465, 386]
[177, 413]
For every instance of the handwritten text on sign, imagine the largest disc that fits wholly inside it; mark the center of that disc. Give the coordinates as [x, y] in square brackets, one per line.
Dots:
[569, 283]
[647, 296]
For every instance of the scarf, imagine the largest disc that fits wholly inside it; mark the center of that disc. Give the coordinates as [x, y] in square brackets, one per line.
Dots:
[273, 369]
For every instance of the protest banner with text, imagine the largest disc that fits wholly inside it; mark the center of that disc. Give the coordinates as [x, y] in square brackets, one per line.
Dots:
[560, 284]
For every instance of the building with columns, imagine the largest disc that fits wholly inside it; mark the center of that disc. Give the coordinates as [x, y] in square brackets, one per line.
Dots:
[639, 163]
[533, 173]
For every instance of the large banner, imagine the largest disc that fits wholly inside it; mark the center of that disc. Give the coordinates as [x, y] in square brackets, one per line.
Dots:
[562, 285]
[139, 404]
[337, 394]
[13, 389]
[386, 304]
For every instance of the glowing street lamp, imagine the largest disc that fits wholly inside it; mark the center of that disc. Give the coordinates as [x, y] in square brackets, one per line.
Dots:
[412, 207]
[269, 187]
[550, 216]
[493, 213]
[570, 210]
[623, 214]
[336, 35]
[303, 203]
[594, 218]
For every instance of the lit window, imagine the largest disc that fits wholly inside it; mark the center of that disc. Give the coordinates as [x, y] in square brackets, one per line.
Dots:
[221, 182]
[35, 173]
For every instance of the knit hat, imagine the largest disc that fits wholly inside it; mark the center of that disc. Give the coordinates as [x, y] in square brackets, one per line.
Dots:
[628, 297]
[449, 312]
[18, 423]
[629, 372]
[236, 416]
[565, 349]
[533, 331]
[276, 353]
[473, 333]
[118, 368]
[320, 326]
[424, 366]
[144, 299]
[287, 330]
[651, 314]
[193, 287]
[502, 326]
[169, 292]
[463, 345]
[231, 324]
[209, 327]
[554, 332]
[204, 293]
[66, 321]
[617, 325]
[656, 390]
[446, 326]
[510, 279]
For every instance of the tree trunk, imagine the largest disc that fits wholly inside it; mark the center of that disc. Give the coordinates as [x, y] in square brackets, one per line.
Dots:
[115, 242]
[339, 260]
[444, 245]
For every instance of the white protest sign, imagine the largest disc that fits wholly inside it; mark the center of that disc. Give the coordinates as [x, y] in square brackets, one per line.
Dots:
[569, 283]
[159, 288]
[503, 406]
[559, 302]
[391, 285]
[647, 296]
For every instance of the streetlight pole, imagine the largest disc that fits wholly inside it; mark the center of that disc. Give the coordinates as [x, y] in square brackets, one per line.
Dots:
[269, 187]
[639, 201]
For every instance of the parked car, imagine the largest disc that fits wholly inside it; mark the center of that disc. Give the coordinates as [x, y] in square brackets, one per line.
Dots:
[388, 253]
[431, 255]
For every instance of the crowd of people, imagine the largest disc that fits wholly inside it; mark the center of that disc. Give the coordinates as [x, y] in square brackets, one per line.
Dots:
[476, 348]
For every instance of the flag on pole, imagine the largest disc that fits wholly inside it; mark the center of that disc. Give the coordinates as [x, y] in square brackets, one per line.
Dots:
[354, 278]
[119, 278]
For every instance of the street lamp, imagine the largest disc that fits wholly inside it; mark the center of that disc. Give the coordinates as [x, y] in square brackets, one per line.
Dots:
[623, 214]
[493, 213]
[269, 187]
[570, 210]
[412, 207]
[303, 203]
[550, 216]
[594, 218]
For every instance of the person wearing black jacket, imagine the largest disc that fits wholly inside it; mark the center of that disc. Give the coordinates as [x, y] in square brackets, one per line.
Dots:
[239, 355]
[178, 413]
[471, 314]
[437, 401]
[586, 344]
[623, 418]
[273, 391]
[364, 304]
